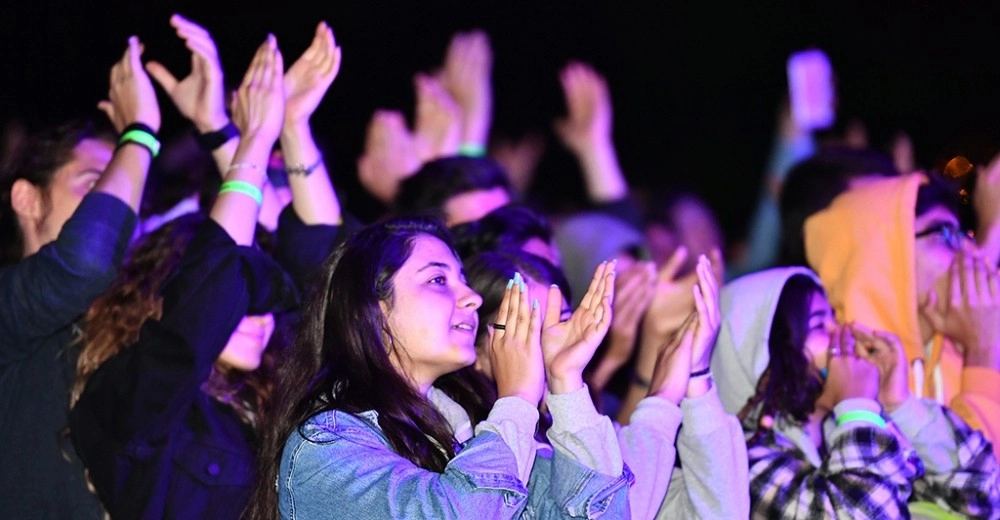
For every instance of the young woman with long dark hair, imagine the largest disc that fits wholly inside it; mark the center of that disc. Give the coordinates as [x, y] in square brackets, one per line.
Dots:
[832, 429]
[360, 427]
[166, 412]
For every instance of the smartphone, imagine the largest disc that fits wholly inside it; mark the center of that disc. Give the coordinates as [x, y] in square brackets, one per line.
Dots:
[810, 89]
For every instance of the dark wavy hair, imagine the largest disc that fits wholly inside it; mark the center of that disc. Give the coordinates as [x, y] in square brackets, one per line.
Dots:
[488, 272]
[790, 386]
[811, 186]
[341, 358]
[115, 319]
[36, 162]
[427, 191]
[505, 228]
[937, 192]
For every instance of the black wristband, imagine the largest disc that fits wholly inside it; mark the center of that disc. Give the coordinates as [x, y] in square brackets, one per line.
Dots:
[210, 141]
[142, 127]
[638, 380]
[701, 373]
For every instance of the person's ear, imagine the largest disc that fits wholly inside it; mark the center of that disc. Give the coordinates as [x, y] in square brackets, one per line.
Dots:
[26, 200]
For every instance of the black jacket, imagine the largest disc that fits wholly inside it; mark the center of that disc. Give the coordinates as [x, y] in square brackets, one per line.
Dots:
[155, 445]
[40, 298]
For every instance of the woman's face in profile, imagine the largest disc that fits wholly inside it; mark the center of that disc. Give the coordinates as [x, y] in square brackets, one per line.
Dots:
[432, 315]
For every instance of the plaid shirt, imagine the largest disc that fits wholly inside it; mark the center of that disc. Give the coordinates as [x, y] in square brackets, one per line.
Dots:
[868, 474]
[865, 475]
[973, 487]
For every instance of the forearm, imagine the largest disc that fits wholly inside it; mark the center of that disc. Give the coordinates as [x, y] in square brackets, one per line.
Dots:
[609, 363]
[988, 239]
[923, 423]
[642, 372]
[476, 127]
[514, 420]
[648, 448]
[313, 196]
[713, 453]
[602, 174]
[582, 434]
[125, 176]
[237, 212]
[54, 286]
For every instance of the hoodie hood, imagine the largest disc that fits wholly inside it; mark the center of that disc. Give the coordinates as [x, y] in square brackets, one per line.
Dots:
[862, 248]
[587, 239]
[741, 352]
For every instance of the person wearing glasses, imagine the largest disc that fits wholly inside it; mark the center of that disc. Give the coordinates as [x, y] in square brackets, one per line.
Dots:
[892, 255]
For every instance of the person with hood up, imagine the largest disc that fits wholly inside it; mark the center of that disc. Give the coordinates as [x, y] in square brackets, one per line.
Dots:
[892, 256]
[832, 429]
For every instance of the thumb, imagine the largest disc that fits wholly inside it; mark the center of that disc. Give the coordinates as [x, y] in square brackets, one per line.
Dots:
[553, 307]
[161, 75]
[109, 110]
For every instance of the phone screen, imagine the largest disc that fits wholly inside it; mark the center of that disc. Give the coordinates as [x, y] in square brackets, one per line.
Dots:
[810, 89]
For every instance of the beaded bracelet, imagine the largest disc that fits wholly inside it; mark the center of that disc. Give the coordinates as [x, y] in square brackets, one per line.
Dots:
[861, 416]
[303, 170]
[243, 187]
[242, 166]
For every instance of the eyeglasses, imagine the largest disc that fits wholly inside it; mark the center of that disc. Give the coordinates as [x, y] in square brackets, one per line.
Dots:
[950, 234]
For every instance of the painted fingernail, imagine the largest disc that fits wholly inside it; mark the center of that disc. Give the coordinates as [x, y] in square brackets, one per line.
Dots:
[510, 283]
[534, 303]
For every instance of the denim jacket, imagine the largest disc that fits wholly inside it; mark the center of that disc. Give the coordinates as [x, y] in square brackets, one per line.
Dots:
[342, 463]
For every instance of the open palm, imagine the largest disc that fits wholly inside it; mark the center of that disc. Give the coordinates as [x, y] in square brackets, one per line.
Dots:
[568, 346]
[308, 79]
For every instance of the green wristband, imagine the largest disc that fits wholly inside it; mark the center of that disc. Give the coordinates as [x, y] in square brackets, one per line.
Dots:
[862, 416]
[142, 138]
[243, 187]
[472, 150]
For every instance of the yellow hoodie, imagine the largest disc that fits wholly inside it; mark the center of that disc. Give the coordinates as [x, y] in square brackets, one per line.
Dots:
[862, 247]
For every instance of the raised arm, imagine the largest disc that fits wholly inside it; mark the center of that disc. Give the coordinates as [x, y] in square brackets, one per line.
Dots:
[57, 281]
[577, 429]
[306, 82]
[259, 115]
[634, 289]
[986, 203]
[131, 100]
[438, 127]
[200, 96]
[390, 155]
[586, 132]
[468, 67]
[969, 315]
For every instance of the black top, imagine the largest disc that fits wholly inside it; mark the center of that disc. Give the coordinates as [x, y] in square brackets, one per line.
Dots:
[40, 297]
[155, 445]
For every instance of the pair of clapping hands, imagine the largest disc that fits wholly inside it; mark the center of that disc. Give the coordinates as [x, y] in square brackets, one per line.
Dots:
[268, 100]
[527, 349]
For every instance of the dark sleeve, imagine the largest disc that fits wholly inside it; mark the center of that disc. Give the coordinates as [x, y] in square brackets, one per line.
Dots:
[140, 394]
[302, 248]
[623, 209]
[52, 287]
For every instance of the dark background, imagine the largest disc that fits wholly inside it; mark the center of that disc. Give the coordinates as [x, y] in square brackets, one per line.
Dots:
[695, 84]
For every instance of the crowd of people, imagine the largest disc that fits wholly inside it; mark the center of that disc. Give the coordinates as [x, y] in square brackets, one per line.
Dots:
[237, 345]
